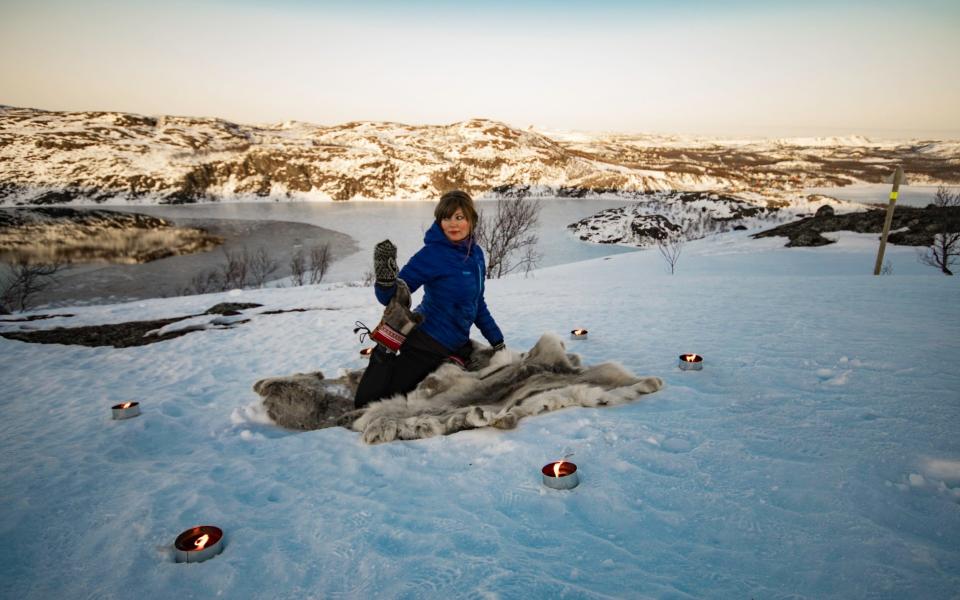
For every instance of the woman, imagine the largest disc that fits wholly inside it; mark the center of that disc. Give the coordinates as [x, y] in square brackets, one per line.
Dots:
[451, 269]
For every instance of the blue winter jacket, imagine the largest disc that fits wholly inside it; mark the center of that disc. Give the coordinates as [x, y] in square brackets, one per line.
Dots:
[452, 278]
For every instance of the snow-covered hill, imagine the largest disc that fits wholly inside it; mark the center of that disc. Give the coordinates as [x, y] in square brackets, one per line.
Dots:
[87, 157]
[815, 456]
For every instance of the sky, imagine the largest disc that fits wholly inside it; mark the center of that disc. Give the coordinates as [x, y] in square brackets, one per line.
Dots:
[881, 69]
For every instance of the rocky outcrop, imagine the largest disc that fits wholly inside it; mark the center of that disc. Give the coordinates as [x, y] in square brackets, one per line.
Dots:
[118, 335]
[910, 226]
[230, 309]
[657, 216]
[107, 219]
[130, 333]
[62, 234]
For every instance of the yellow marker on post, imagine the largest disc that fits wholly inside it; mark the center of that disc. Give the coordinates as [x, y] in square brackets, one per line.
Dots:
[897, 178]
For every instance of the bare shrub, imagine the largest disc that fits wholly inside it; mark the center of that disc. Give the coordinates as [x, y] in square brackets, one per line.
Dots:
[670, 247]
[233, 272]
[320, 258]
[203, 282]
[508, 236]
[369, 277]
[261, 266]
[22, 279]
[298, 267]
[945, 248]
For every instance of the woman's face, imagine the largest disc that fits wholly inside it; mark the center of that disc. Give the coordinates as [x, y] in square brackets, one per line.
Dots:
[456, 227]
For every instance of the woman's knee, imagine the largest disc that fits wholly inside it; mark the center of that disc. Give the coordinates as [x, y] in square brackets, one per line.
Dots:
[377, 378]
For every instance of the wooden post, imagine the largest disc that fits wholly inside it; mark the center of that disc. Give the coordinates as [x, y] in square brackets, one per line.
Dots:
[897, 176]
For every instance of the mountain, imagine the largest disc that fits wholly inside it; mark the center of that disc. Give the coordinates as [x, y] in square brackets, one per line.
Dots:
[96, 157]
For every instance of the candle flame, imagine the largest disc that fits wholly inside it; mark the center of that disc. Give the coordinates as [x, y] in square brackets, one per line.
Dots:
[579, 331]
[690, 357]
[201, 541]
[126, 405]
[556, 468]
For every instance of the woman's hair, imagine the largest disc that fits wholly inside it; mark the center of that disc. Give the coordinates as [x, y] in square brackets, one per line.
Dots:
[450, 202]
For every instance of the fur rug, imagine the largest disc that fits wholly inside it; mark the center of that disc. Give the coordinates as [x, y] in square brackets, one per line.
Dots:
[496, 390]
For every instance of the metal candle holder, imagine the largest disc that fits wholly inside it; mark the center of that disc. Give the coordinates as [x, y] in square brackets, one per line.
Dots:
[560, 475]
[198, 544]
[691, 362]
[578, 334]
[126, 410]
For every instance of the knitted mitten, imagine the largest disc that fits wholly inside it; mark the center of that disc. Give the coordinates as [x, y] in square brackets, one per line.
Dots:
[385, 263]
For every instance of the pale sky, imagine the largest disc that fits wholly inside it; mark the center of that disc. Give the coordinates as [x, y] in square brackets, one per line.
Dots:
[881, 69]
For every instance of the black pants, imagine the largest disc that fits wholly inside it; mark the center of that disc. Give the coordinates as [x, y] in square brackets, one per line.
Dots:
[390, 374]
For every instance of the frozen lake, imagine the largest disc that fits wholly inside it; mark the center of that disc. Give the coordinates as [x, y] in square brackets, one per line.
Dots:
[402, 222]
[283, 227]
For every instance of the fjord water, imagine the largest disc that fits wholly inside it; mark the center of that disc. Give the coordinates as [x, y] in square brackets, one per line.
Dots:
[368, 222]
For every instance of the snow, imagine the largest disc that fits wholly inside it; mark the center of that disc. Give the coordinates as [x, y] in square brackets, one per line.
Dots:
[815, 455]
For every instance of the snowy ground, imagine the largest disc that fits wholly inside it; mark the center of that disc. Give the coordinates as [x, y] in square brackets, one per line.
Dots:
[815, 456]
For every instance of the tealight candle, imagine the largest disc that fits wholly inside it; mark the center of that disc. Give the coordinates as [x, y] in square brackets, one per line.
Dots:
[560, 475]
[366, 352]
[127, 410]
[198, 544]
[691, 362]
[578, 334]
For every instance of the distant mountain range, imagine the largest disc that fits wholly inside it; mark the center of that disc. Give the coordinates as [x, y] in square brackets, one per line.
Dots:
[96, 157]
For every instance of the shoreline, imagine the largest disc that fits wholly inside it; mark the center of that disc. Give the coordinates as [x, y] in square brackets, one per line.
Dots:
[100, 283]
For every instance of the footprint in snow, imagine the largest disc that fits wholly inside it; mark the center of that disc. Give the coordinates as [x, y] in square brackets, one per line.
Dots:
[676, 445]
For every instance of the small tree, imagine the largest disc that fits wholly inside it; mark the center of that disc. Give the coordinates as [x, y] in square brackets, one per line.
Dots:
[298, 267]
[369, 277]
[23, 279]
[320, 258]
[508, 236]
[261, 266]
[945, 248]
[203, 282]
[670, 246]
[233, 271]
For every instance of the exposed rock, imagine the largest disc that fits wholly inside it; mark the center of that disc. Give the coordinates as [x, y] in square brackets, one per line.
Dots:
[921, 225]
[229, 309]
[131, 333]
[118, 335]
[825, 211]
[19, 217]
[31, 317]
[63, 234]
[652, 228]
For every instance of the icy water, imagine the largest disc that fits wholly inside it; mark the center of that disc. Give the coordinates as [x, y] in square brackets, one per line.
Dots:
[402, 222]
